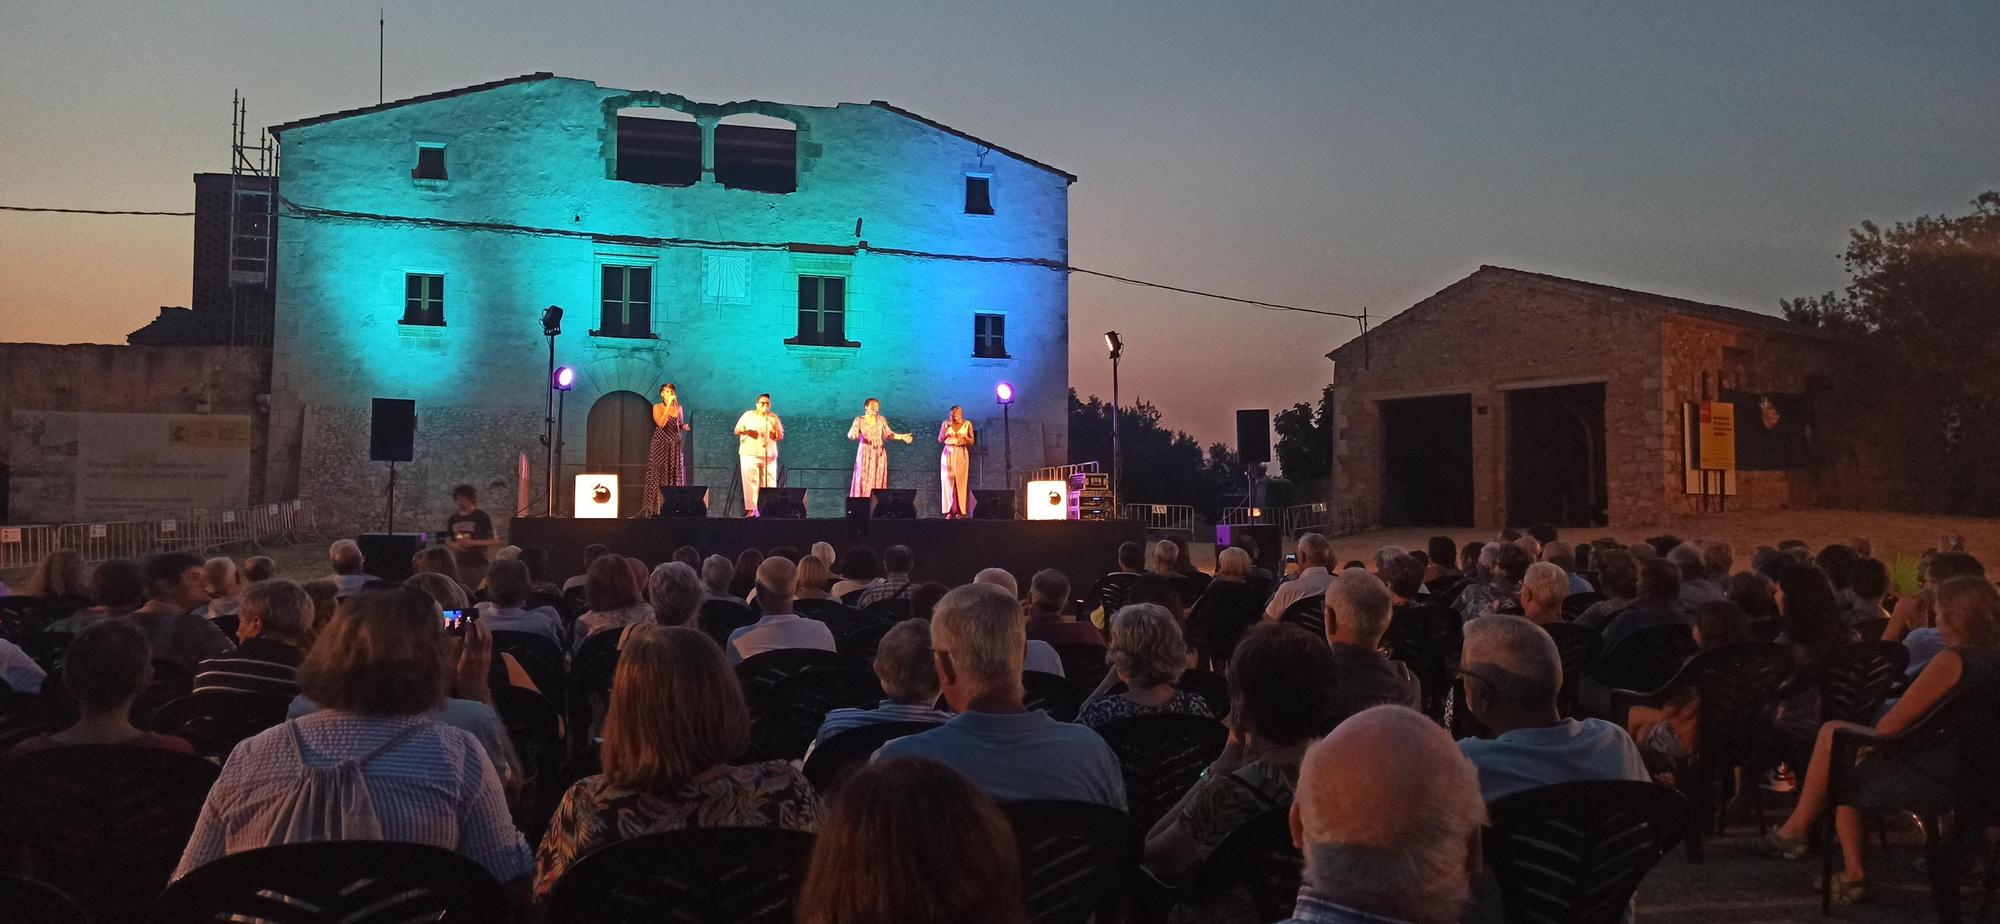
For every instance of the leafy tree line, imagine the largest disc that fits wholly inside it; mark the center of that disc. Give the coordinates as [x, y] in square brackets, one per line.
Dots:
[1924, 296]
[1162, 466]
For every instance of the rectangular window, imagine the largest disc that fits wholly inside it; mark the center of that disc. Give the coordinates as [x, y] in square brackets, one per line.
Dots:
[822, 311]
[628, 302]
[430, 162]
[989, 336]
[661, 151]
[978, 195]
[423, 299]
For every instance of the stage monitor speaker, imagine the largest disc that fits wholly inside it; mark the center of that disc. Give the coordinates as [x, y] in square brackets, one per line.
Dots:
[992, 504]
[387, 555]
[1253, 436]
[781, 503]
[858, 511]
[392, 430]
[683, 501]
[894, 504]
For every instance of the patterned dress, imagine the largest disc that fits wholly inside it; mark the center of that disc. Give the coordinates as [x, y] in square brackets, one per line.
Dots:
[663, 464]
[871, 458]
[595, 814]
[955, 467]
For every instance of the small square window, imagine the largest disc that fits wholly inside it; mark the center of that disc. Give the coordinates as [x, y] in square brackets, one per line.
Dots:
[627, 301]
[989, 336]
[430, 162]
[978, 195]
[822, 312]
[423, 299]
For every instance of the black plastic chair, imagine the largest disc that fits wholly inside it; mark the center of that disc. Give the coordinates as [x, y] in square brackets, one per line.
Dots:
[1578, 646]
[1642, 660]
[535, 725]
[30, 902]
[826, 610]
[539, 655]
[761, 672]
[1870, 630]
[589, 694]
[46, 648]
[1161, 758]
[700, 876]
[1962, 727]
[566, 609]
[1259, 858]
[721, 617]
[1083, 665]
[894, 609]
[1077, 858]
[1735, 683]
[1427, 637]
[214, 721]
[1218, 619]
[171, 681]
[785, 717]
[1576, 852]
[362, 882]
[1575, 604]
[105, 823]
[861, 642]
[1856, 679]
[1053, 694]
[839, 755]
[1309, 612]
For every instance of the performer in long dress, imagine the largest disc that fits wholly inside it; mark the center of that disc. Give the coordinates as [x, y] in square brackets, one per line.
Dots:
[955, 464]
[871, 458]
[757, 434]
[664, 459]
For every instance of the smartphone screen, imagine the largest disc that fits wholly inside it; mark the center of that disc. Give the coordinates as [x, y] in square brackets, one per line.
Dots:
[454, 621]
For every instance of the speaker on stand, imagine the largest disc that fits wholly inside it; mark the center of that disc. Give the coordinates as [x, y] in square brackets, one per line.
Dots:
[1253, 445]
[392, 438]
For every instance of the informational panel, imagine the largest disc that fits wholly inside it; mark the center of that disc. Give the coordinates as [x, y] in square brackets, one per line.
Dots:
[1718, 436]
[71, 466]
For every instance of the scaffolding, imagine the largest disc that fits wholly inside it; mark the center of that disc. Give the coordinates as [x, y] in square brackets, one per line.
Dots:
[253, 222]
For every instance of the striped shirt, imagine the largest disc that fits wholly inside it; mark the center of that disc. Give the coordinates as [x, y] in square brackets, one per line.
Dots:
[259, 665]
[433, 787]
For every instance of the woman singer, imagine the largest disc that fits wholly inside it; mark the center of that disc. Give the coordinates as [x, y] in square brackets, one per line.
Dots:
[955, 464]
[871, 458]
[665, 459]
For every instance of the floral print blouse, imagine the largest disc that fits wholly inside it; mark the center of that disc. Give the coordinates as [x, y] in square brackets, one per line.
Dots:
[595, 814]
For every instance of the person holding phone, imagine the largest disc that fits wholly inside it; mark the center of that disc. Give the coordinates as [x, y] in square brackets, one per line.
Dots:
[758, 433]
[871, 457]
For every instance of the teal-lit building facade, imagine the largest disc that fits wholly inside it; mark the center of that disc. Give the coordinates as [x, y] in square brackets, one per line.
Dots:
[822, 254]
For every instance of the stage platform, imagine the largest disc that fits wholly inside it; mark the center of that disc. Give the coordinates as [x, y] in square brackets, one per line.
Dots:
[948, 551]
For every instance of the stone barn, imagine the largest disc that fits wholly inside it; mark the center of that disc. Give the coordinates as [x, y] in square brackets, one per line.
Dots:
[1510, 398]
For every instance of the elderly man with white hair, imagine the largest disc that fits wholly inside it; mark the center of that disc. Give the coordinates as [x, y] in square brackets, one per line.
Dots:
[1041, 656]
[1512, 674]
[1388, 817]
[1358, 610]
[1543, 590]
[345, 555]
[977, 636]
[779, 627]
[1315, 555]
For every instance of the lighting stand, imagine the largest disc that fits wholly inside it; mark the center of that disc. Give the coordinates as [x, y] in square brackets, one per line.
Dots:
[548, 436]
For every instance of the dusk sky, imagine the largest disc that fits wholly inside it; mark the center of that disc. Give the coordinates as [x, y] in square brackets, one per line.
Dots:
[1323, 154]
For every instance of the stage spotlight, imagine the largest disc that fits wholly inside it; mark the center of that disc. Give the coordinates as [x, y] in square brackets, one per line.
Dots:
[552, 321]
[1113, 343]
[564, 379]
[1005, 393]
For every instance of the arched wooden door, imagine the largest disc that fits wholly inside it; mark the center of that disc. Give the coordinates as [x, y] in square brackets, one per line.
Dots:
[617, 435]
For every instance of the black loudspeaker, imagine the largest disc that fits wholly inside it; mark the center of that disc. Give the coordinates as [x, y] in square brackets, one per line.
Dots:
[684, 500]
[392, 430]
[387, 555]
[992, 505]
[781, 503]
[858, 511]
[1253, 436]
[894, 504]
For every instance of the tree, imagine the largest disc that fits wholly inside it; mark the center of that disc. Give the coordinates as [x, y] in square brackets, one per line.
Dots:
[1162, 466]
[1925, 295]
[1305, 438]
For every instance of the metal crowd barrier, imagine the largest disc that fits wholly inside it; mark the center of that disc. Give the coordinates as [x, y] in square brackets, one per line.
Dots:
[1248, 516]
[201, 531]
[1159, 516]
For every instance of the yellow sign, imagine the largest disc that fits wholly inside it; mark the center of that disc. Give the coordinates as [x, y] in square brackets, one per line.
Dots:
[209, 432]
[1718, 436]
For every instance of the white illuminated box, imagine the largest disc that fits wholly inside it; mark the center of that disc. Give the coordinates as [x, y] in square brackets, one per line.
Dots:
[1048, 500]
[596, 496]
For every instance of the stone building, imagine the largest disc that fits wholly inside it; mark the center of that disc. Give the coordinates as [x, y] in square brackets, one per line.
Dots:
[1510, 398]
[821, 254]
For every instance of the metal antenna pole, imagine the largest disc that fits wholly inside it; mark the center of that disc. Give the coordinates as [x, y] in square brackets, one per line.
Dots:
[1117, 454]
[381, 44]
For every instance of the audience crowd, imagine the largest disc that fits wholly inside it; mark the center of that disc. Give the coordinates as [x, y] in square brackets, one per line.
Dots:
[1383, 706]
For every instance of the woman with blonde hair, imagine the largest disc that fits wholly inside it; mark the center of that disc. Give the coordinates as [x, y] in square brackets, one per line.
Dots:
[912, 841]
[1226, 609]
[60, 574]
[677, 717]
[813, 580]
[1147, 654]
